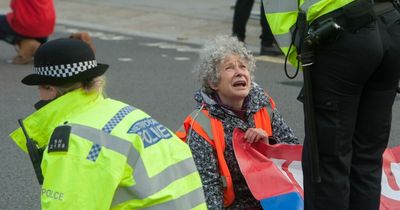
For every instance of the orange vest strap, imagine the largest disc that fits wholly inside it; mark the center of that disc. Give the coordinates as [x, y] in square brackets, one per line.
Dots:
[271, 101]
[181, 134]
[188, 124]
[216, 138]
[262, 120]
[219, 139]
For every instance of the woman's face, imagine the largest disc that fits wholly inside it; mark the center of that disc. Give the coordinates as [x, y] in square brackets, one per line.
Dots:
[235, 80]
[47, 92]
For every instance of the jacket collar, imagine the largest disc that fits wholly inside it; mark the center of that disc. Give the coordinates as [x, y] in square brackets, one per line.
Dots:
[41, 123]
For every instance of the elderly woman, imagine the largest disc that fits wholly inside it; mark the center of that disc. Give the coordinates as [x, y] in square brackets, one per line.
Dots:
[100, 153]
[227, 100]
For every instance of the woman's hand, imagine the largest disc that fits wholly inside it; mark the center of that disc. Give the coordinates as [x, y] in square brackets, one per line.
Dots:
[255, 135]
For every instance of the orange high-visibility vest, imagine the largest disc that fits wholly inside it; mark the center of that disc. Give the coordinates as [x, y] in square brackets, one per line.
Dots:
[212, 130]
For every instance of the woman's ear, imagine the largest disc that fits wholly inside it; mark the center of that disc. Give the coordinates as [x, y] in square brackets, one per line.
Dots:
[47, 92]
[212, 86]
[53, 93]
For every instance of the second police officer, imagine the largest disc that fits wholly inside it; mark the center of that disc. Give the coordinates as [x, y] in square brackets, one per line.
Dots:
[354, 75]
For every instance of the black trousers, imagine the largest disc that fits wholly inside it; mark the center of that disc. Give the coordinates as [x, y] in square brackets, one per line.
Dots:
[241, 16]
[354, 83]
[8, 35]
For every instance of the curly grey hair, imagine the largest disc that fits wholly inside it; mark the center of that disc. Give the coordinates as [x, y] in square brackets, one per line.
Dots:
[214, 52]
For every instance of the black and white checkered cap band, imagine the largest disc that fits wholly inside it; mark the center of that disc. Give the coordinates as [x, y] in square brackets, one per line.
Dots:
[65, 70]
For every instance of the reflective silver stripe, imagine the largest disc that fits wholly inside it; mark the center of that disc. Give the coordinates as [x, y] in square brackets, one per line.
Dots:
[117, 118]
[114, 143]
[224, 182]
[284, 40]
[283, 6]
[147, 186]
[307, 4]
[268, 107]
[184, 202]
[280, 6]
[205, 123]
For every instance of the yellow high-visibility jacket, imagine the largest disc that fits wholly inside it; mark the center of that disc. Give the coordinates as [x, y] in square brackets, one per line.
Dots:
[282, 15]
[104, 154]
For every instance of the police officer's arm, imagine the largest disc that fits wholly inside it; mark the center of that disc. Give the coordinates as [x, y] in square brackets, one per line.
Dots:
[206, 162]
[78, 174]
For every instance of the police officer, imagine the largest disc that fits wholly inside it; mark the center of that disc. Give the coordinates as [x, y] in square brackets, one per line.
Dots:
[100, 153]
[354, 76]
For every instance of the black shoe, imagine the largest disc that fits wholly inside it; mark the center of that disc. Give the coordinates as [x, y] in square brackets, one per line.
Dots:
[270, 50]
[240, 38]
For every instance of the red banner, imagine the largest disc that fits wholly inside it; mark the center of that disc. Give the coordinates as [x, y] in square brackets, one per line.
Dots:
[280, 166]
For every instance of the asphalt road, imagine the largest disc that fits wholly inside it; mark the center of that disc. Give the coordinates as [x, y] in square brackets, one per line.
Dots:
[151, 74]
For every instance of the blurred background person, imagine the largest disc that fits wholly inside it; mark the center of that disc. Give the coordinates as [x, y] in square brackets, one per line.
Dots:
[27, 26]
[83, 36]
[241, 16]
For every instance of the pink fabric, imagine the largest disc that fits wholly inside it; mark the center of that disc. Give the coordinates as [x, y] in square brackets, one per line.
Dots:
[271, 170]
[262, 176]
